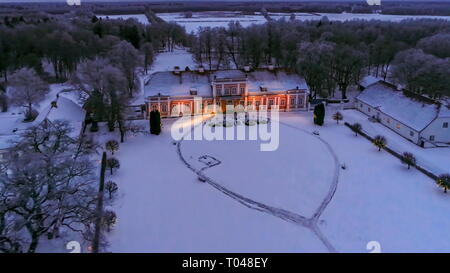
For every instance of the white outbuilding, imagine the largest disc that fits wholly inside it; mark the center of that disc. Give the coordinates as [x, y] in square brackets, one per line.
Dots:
[419, 119]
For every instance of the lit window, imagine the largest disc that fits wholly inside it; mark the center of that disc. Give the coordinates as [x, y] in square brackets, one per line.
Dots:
[398, 126]
[431, 138]
[445, 125]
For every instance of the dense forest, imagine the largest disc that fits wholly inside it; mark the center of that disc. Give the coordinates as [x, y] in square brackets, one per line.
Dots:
[335, 55]
[69, 47]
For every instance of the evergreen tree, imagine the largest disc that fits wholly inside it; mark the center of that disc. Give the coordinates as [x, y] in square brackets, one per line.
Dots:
[319, 114]
[155, 122]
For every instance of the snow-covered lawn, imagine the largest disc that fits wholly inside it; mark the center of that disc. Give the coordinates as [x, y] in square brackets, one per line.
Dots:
[11, 122]
[163, 207]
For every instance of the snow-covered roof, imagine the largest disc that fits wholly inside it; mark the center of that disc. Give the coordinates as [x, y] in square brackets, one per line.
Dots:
[411, 112]
[66, 110]
[275, 81]
[169, 84]
[229, 74]
[369, 80]
[444, 111]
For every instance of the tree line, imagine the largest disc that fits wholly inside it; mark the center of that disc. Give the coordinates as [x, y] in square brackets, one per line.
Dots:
[99, 57]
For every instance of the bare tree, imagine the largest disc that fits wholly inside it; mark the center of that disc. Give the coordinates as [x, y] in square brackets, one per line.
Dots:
[127, 59]
[55, 190]
[112, 146]
[103, 89]
[379, 142]
[112, 188]
[408, 159]
[112, 163]
[27, 89]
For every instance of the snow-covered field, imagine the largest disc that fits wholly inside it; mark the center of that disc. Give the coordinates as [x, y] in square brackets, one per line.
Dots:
[141, 18]
[211, 19]
[353, 16]
[264, 201]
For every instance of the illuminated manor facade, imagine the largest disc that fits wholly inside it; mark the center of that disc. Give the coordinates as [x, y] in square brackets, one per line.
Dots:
[193, 92]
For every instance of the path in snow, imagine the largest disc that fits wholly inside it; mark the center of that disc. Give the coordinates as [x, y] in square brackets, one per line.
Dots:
[310, 223]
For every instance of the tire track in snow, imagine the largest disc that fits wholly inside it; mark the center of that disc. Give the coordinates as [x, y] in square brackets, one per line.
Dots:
[310, 223]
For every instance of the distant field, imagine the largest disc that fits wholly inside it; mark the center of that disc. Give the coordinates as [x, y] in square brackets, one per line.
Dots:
[223, 18]
[140, 17]
[211, 19]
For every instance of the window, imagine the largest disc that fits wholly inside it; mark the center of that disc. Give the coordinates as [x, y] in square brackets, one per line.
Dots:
[271, 102]
[368, 109]
[361, 105]
[242, 90]
[445, 125]
[292, 101]
[411, 133]
[164, 107]
[283, 102]
[233, 90]
[300, 102]
[257, 103]
[431, 138]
